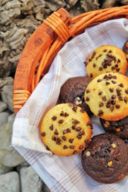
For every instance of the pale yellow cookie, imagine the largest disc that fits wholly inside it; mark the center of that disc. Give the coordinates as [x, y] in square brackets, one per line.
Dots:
[65, 129]
[106, 58]
[107, 96]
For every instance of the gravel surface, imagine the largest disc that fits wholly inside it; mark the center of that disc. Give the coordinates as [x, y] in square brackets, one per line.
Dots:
[18, 19]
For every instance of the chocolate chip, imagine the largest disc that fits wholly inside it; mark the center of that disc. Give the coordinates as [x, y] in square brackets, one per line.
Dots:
[94, 65]
[56, 132]
[43, 134]
[116, 66]
[87, 91]
[79, 136]
[125, 99]
[72, 147]
[60, 121]
[105, 50]
[91, 75]
[101, 104]
[51, 127]
[75, 121]
[73, 127]
[118, 91]
[126, 91]
[54, 118]
[107, 83]
[111, 90]
[121, 85]
[47, 148]
[77, 128]
[66, 131]
[113, 97]
[111, 108]
[58, 141]
[113, 82]
[100, 112]
[120, 98]
[71, 140]
[80, 133]
[99, 80]
[74, 108]
[100, 93]
[65, 147]
[100, 68]
[113, 68]
[81, 147]
[85, 63]
[87, 99]
[117, 69]
[88, 124]
[64, 114]
[54, 138]
[108, 104]
[64, 138]
[117, 106]
[74, 152]
[104, 98]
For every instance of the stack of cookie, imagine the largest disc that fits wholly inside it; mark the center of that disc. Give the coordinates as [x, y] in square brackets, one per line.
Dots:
[66, 129]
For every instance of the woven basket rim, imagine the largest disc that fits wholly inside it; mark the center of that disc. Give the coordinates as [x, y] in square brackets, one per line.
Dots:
[47, 40]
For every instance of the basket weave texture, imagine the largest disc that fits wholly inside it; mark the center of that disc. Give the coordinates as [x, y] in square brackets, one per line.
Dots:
[47, 40]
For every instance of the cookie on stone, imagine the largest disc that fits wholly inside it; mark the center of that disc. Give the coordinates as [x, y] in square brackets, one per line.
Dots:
[73, 92]
[106, 158]
[107, 96]
[106, 58]
[120, 128]
[65, 129]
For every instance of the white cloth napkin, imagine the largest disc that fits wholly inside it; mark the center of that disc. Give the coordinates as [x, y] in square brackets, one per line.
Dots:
[64, 174]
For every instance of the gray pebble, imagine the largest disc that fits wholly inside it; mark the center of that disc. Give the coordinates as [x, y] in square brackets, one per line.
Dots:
[3, 118]
[8, 156]
[30, 181]
[9, 182]
[3, 106]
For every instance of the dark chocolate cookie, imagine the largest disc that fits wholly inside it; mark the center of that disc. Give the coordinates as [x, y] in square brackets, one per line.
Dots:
[120, 128]
[106, 158]
[73, 92]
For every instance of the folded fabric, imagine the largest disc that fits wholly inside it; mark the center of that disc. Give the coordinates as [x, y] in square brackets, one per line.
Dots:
[64, 174]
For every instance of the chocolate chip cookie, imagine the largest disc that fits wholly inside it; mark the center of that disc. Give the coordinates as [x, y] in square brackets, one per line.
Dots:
[106, 158]
[65, 129]
[73, 92]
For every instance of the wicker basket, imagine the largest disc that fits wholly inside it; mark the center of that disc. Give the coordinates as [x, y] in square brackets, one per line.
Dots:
[47, 40]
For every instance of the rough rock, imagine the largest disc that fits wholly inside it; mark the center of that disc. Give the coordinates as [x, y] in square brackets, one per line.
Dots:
[4, 169]
[7, 95]
[30, 181]
[3, 106]
[9, 182]
[3, 117]
[8, 156]
[109, 3]
[89, 5]
[124, 2]
[72, 2]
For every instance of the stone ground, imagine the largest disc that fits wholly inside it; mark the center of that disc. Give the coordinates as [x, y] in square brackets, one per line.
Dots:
[18, 19]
